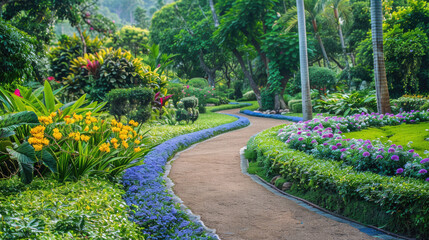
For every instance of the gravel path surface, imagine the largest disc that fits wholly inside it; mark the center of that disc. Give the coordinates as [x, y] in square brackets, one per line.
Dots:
[208, 179]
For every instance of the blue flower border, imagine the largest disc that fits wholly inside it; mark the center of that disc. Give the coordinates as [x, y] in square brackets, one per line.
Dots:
[151, 206]
[275, 116]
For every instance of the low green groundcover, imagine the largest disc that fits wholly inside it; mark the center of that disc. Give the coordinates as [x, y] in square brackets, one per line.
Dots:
[411, 135]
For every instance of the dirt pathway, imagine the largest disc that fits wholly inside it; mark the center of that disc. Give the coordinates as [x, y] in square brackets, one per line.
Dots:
[208, 179]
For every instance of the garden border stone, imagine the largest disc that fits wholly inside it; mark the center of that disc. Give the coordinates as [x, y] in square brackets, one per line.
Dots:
[275, 116]
[151, 204]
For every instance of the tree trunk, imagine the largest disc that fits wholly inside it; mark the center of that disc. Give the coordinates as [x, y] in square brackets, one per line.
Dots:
[211, 72]
[319, 39]
[305, 81]
[248, 76]
[215, 19]
[82, 38]
[383, 99]
[343, 45]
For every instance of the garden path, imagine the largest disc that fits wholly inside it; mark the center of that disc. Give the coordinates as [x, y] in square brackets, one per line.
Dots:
[209, 180]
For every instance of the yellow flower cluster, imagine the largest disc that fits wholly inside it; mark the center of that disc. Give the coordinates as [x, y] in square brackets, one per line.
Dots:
[45, 120]
[77, 136]
[105, 147]
[133, 123]
[114, 141]
[57, 135]
[137, 149]
[89, 119]
[37, 139]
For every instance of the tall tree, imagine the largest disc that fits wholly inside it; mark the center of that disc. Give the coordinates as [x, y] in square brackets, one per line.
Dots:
[382, 92]
[313, 9]
[305, 81]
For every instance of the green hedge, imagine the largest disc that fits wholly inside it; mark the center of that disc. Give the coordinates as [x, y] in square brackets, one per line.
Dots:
[295, 105]
[391, 203]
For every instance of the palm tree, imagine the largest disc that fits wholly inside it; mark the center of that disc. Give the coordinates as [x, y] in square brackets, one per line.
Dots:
[341, 9]
[313, 9]
[383, 100]
[305, 81]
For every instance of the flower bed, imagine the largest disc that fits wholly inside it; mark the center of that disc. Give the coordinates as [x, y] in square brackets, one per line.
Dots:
[152, 207]
[392, 203]
[323, 139]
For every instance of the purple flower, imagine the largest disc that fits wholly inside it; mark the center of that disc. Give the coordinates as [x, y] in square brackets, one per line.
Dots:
[359, 149]
[379, 156]
[338, 144]
[427, 179]
[399, 170]
[400, 147]
[299, 133]
[324, 144]
[313, 141]
[393, 145]
[423, 171]
[395, 157]
[411, 150]
[369, 146]
[343, 150]
[416, 155]
[352, 146]
[381, 150]
[366, 154]
[334, 147]
[391, 150]
[300, 139]
[423, 161]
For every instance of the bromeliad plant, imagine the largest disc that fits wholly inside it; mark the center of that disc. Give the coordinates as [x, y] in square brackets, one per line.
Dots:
[322, 138]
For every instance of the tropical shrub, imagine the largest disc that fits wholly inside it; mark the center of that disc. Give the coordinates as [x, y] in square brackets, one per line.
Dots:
[15, 152]
[347, 103]
[109, 69]
[43, 101]
[198, 83]
[134, 103]
[249, 96]
[17, 54]
[295, 105]
[130, 38]
[68, 48]
[408, 103]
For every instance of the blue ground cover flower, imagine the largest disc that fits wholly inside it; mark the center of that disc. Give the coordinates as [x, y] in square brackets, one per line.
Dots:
[152, 207]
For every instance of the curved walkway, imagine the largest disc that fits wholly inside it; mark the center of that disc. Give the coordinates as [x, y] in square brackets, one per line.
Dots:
[208, 179]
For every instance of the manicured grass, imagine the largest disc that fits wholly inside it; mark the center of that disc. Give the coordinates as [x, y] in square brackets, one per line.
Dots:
[161, 133]
[226, 107]
[399, 135]
[253, 107]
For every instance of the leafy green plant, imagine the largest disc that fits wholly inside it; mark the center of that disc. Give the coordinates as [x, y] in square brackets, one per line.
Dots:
[17, 53]
[187, 110]
[43, 101]
[132, 102]
[117, 69]
[11, 148]
[347, 103]
[408, 103]
[68, 48]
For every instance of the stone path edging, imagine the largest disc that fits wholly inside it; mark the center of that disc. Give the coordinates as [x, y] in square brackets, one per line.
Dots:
[275, 116]
[370, 230]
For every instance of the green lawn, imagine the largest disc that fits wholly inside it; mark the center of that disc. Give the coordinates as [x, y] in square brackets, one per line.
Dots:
[400, 135]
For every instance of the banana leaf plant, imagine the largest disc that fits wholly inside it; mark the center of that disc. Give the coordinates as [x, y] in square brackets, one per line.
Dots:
[42, 101]
[23, 153]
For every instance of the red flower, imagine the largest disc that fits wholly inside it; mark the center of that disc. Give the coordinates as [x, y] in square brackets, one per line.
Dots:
[51, 78]
[17, 93]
